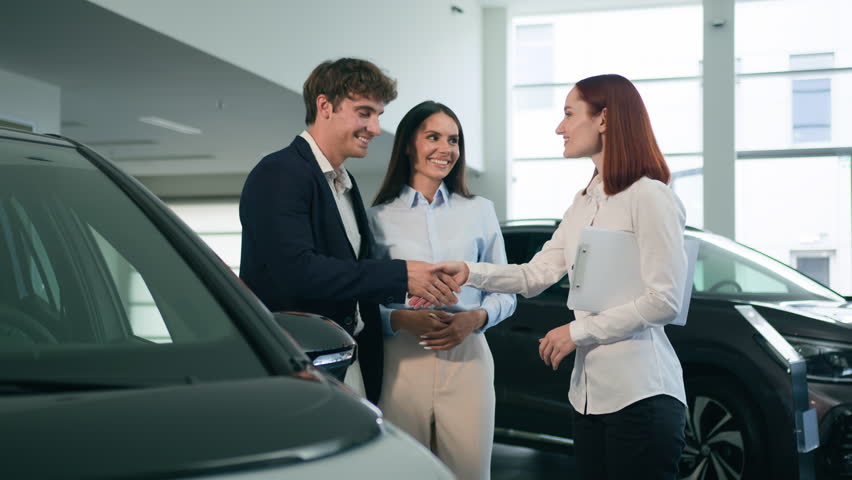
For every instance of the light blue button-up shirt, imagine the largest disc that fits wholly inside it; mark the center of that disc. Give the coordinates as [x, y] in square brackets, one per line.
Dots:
[450, 228]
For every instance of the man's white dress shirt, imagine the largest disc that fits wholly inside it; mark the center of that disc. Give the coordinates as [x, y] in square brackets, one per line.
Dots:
[341, 188]
[623, 353]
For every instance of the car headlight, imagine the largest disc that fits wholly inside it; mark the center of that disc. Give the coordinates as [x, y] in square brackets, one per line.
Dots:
[826, 361]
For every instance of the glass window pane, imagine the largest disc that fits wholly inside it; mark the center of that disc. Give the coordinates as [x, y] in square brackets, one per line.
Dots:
[811, 61]
[535, 114]
[209, 216]
[676, 113]
[142, 313]
[217, 223]
[688, 183]
[718, 271]
[797, 28]
[533, 54]
[773, 114]
[814, 267]
[805, 206]
[650, 31]
[226, 245]
[546, 188]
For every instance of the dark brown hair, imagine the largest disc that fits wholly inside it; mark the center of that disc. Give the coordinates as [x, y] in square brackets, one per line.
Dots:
[630, 148]
[399, 168]
[346, 78]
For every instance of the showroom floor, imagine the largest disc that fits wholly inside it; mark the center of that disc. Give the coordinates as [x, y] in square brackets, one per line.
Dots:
[519, 463]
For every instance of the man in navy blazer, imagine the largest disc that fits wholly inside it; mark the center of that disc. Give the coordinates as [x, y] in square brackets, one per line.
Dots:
[306, 243]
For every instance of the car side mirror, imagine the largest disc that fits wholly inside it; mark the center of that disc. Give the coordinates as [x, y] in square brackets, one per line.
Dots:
[325, 342]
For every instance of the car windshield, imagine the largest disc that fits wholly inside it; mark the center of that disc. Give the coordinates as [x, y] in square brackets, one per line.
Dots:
[91, 292]
[726, 269]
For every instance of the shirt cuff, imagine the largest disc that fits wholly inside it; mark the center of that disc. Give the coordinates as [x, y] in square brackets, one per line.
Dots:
[385, 313]
[579, 335]
[491, 312]
[474, 278]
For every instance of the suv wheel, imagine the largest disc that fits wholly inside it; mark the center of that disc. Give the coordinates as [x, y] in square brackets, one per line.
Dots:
[722, 439]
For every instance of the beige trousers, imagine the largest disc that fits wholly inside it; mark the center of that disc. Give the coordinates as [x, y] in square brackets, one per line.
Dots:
[444, 399]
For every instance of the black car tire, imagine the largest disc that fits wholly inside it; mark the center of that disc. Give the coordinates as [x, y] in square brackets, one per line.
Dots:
[723, 439]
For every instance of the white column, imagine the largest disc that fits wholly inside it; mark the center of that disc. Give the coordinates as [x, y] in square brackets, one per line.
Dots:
[494, 183]
[719, 114]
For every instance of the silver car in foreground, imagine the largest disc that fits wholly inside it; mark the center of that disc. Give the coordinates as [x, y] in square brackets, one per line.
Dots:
[128, 350]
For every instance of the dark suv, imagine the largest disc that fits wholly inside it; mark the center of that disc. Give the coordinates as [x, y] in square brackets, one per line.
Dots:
[740, 422]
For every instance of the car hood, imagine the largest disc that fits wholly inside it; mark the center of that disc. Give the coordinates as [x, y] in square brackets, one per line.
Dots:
[179, 430]
[836, 313]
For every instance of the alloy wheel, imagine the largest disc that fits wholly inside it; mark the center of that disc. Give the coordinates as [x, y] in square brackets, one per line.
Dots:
[715, 448]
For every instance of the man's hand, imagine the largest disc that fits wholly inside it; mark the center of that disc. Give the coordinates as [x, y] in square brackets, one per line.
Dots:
[556, 345]
[423, 282]
[419, 322]
[453, 274]
[457, 328]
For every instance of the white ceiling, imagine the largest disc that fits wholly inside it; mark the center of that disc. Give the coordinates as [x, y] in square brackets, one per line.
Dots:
[111, 71]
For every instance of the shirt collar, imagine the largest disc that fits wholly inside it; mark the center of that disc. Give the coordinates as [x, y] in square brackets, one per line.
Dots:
[595, 189]
[325, 165]
[410, 196]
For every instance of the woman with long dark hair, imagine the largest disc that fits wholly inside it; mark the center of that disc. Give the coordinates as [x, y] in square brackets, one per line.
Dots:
[439, 375]
[627, 384]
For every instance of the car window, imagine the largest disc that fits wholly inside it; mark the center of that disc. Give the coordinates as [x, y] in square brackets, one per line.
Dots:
[726, 269]
[717, 271]
[90, 286]
[41, 277]
[142, 312]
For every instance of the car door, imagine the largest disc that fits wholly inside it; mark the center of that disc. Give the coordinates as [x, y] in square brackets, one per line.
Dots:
[531, 396]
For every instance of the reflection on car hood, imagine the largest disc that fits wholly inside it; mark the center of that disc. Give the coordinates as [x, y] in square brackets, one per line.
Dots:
[176, 431]
[827, 311]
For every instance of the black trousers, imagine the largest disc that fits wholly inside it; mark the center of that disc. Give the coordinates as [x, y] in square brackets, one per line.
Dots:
[643, 440]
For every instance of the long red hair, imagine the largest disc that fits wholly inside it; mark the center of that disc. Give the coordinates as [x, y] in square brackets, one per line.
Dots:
[630, 148]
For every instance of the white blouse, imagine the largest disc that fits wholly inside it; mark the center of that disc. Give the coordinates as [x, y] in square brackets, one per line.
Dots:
[623, 353]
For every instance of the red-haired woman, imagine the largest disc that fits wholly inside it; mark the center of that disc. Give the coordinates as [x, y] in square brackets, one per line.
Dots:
[627, 385]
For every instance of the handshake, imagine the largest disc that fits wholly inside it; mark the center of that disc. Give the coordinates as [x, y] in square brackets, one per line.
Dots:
[435, 284]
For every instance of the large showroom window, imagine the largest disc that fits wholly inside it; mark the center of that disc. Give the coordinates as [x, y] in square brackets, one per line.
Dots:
[794, 135]
[793, 117]
[217, 222]
[550, 53]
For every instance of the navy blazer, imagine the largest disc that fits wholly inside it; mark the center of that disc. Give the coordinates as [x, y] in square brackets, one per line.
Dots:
[296, 256]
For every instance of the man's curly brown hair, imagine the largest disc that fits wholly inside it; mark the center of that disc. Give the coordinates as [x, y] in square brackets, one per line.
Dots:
[346, 78]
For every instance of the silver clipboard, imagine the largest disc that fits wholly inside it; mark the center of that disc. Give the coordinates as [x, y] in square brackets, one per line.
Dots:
[606, 271]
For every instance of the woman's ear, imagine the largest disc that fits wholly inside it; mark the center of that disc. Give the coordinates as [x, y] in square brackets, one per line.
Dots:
[602, 124]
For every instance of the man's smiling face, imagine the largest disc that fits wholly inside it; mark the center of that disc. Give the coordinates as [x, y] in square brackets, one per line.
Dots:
[351, 126]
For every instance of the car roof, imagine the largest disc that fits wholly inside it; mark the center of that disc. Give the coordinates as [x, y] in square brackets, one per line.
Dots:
[13, 134]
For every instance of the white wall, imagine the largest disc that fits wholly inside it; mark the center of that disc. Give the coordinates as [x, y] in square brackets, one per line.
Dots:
[433, 52]
[29, 101]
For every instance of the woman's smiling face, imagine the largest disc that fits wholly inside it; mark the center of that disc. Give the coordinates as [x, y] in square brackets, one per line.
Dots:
[435, 149]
